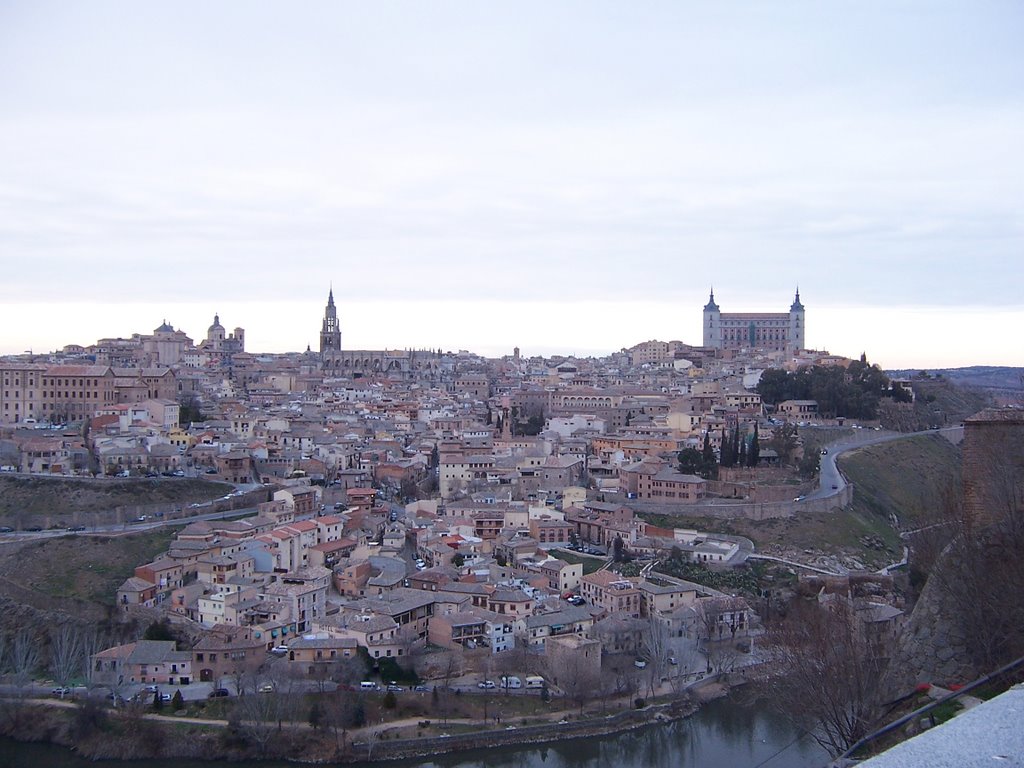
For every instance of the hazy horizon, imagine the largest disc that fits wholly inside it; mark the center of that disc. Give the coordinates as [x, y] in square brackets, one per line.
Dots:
[559, 176]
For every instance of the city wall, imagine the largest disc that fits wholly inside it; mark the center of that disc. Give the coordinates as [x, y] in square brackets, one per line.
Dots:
[752, 510]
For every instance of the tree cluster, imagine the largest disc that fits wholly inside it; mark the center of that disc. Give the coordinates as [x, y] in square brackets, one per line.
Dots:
[852, 392]
[701, 463]
[740, 450]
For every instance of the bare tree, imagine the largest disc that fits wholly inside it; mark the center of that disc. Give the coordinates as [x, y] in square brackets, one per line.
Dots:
[826, 675]
[259, 717]
[24, 657]
[65, 653]
[655, 650]
[240, 677]
[578, 679]
[321, 673]
[343, 711]
[91, 645]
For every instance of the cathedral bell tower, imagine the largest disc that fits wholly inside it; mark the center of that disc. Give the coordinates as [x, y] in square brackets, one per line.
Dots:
[330, 332]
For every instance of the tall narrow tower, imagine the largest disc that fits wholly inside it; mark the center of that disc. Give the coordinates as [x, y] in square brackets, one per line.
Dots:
[796, 325]
[330, 333]
[712, 323]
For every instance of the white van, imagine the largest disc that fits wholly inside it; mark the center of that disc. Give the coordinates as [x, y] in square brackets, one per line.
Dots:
[509, 681]
[366, 685]
[535, 681]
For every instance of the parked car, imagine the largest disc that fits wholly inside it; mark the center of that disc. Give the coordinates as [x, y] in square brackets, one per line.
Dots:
[75, 528]
[266, 688]
[395, 688]
[486, 685]
[217, 693]
[279, 649]
[62, 692]
[422, 689]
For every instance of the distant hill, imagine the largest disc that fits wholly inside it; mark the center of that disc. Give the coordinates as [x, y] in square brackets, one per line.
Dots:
[990, 377]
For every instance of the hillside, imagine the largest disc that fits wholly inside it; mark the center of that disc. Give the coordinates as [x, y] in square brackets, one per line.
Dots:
[75, 573]
[59, 501]
[906, 478]
[900, 480]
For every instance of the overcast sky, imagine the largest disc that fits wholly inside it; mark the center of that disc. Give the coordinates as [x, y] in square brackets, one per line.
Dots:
[562, 176]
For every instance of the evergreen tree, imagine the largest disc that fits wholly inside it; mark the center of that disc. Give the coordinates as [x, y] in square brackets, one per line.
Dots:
[316, 715]
[709, 464]
[754, 454]
[726, 450]
[690, 461]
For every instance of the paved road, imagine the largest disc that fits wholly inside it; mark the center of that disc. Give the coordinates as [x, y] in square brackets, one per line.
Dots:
[831, 480]
[128, 527]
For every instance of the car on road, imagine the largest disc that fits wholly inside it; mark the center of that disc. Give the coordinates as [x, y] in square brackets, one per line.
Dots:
[62, 692]
[835, 487]
[74, 528]
[266, 688]
[576, 600]
[279, 649]
[217, 693]
[421, 689]
[394, 688]
[824, 451]
[486, 685]
[6, 529]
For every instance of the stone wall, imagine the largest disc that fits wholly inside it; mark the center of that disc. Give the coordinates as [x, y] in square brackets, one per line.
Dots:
[751, 510]
[933, 645]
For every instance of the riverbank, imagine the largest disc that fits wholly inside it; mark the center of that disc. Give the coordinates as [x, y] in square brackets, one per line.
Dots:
[97, 733]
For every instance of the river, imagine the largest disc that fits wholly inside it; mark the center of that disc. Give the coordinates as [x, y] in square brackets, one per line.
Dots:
[723, 734]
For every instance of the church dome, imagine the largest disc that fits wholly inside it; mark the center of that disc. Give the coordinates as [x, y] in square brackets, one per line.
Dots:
[216, 324]
[165, 328]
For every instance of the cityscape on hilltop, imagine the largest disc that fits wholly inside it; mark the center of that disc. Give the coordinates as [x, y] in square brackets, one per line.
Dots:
[386, 520]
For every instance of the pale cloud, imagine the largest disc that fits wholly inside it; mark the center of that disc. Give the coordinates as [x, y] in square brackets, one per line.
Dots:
[570, 153]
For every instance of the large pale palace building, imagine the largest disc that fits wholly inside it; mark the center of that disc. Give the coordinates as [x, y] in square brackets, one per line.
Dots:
[773, 331]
